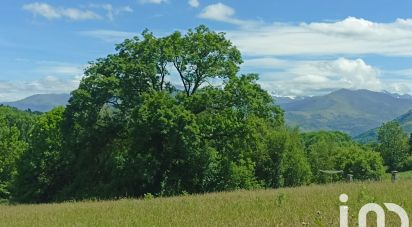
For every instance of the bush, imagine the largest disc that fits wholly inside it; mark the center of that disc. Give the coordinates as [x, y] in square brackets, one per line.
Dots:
[363, 164]
[334, 151]
[407, 164]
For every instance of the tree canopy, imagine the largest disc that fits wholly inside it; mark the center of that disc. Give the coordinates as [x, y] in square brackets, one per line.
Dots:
[393, 144]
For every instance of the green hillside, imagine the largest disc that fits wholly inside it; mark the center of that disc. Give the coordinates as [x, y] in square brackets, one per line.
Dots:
[350, 111]
[371, 135]
[316, 205]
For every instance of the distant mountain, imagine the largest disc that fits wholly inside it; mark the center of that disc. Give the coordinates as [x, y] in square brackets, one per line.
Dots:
[41, 102]
[283, 100]
[395, 95]
[371, 135]
[350, 111]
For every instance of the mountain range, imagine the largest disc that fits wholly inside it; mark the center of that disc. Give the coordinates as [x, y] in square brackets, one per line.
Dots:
[40, 102]
[356, 112]
[350, 111]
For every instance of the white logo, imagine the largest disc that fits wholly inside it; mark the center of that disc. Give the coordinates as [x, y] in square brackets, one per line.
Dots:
[372, 207]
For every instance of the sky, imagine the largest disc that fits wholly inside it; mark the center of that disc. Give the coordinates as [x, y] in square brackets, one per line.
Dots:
[299, 48]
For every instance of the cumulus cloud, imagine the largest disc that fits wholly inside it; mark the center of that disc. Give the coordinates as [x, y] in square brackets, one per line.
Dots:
[314, 77]
[223, 13]
[355, 73]
[354, 36]
[51, 12]
[269, 48]
[153, 1]
[194, 3]
[218, 11]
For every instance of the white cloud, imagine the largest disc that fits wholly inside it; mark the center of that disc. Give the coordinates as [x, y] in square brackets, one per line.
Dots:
[194, 3]
[153, 1]
[53, 84]
[76, 14]
[402, 72]
[224, 13]
[313, 77]
[61, 69]
[111, 36]
[356, 73]
[112, 11]
[266, 46]
[51, 77]
[218, 11]
[265, 63]
[12, 91]
[42, 9]
[354, 36]
[51, 12]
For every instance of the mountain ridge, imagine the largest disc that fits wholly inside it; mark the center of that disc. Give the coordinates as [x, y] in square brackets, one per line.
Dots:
[350, 111]
[40, 102]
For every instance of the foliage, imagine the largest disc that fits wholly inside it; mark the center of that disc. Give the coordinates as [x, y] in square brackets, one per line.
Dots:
[407, 164]
[295, 166]
[362, 164]
[393, 145]
[164, 145]
[40, 169]
[11, 147]
[14, 131]
[337, 152]
[22, 120]
[202, 54]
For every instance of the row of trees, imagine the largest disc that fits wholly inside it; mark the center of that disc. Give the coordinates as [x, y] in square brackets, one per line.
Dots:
[128, 130]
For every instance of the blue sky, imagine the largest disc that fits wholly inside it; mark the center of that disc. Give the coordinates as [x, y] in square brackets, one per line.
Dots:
[298, 47]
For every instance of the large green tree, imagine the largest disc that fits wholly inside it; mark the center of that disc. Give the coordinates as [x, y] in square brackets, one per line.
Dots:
[105, 125]
[393, 144]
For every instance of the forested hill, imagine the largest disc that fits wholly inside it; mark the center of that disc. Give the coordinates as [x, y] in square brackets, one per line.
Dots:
[371, 135]
[350, 111]
[40, 102]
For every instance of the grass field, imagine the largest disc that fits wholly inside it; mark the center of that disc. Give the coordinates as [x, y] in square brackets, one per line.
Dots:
[316, 205]
[402, 176]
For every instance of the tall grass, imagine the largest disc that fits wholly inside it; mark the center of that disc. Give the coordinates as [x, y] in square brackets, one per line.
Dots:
[316, 205]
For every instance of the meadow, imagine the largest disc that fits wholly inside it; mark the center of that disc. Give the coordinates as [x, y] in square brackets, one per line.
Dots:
[315, 205]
